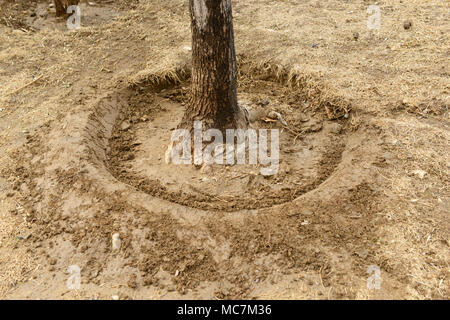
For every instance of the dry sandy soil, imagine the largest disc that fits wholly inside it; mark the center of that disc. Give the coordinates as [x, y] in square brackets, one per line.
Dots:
[85, 116]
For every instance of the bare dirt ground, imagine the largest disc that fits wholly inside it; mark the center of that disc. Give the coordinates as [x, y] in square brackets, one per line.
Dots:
[85, 116]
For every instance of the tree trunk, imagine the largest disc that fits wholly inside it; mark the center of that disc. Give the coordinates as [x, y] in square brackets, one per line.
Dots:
[214, 69]
[62, 5]
[59, 8]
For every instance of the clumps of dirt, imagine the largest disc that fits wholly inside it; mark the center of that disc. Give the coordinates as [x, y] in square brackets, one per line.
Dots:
[88, 177]
[162, 248]
[303, 240]
[21, 177]
[135, 139]
[437, 107]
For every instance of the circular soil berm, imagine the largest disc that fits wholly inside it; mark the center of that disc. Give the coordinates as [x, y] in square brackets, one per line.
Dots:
[310, 149]
[224, 231]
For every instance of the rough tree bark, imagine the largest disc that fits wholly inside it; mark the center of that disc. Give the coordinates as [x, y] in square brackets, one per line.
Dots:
[62, 5]
[214, 69]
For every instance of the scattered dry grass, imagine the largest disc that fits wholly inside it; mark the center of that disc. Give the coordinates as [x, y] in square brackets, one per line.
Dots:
[16, 263]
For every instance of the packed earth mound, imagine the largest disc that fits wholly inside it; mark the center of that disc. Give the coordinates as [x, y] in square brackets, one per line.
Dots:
[363, 175]
[141, 135]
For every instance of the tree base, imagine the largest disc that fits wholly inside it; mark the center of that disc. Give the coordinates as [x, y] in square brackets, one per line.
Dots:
[62, 5]
[239, 120]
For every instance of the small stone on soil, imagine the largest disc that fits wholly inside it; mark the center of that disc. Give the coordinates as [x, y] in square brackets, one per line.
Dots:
[125, 125]
[116, 241]
[420, 173]
[407, 24]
